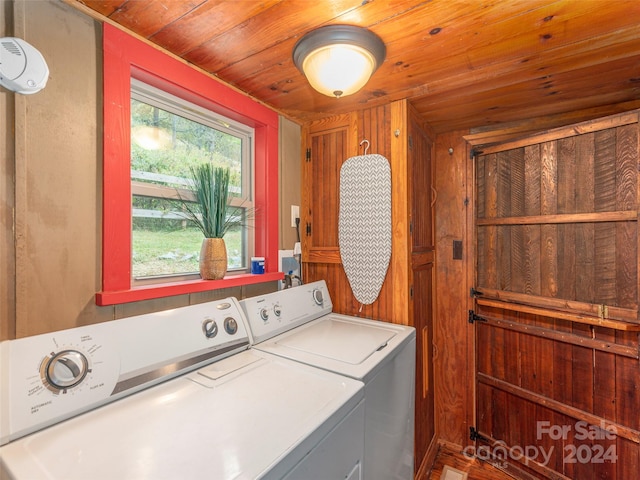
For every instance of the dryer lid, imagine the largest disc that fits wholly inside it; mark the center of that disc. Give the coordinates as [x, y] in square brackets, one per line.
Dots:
[335, 339]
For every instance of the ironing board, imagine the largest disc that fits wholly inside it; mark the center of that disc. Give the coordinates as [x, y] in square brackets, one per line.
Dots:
[364, 223]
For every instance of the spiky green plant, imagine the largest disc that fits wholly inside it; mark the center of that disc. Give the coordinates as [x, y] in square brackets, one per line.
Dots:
[210, 212]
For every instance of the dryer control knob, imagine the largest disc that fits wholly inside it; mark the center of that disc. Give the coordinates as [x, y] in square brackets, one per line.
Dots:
[64, 370]
[277, 309]
[264, 314]
[317, 297]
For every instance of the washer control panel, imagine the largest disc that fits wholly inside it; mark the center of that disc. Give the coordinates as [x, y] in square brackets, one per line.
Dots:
[57, 375]
[271, 314]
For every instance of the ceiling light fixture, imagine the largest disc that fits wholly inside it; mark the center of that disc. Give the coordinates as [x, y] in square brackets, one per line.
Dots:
[338, 60]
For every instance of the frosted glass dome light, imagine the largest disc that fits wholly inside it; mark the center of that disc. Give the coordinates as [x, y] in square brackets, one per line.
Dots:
[338, 60]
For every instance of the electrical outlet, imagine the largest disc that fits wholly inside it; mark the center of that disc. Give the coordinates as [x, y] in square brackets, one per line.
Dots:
[295, 213]
[457, 249]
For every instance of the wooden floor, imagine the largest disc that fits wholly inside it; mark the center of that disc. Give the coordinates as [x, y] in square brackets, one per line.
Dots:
[476, 469]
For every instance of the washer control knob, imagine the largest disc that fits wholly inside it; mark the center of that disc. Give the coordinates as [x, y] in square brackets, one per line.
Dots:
[209, 328]
[317, 297]
[64, 370]
[277, 309]
[230, 325]
[264, 314]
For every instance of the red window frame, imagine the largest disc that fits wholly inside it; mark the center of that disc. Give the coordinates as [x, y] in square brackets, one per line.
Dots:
[125, 57]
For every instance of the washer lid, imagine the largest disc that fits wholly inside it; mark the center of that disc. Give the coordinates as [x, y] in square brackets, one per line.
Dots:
[340, 340]
[270, 412]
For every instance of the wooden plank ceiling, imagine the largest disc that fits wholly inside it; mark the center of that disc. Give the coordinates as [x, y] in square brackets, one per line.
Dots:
[463, 63]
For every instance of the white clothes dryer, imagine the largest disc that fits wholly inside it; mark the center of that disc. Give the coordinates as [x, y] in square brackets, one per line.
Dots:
[298, 324]
[174, 394]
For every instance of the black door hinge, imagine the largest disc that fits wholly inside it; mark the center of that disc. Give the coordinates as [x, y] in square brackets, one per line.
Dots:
[474, 293]
[308, 229]
[308, 154]
[474, 435]
[474, 153]
[475, 318]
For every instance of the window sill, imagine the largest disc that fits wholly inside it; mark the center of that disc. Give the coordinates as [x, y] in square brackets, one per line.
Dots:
[161, 290]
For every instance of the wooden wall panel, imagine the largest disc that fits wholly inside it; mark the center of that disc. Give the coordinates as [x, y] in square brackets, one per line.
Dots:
[627, 151]
[585, 232]
[503, 208]
[566, 203]
[374, 125]
[453, 337]
[8, 195]
[605, 194]
[337, 284]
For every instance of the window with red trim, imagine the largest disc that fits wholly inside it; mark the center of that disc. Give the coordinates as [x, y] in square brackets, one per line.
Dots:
[127, 58]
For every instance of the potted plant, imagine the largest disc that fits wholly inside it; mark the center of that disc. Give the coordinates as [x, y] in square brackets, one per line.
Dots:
[213, 216]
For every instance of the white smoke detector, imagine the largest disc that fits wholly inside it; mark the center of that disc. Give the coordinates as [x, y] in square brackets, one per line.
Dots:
[22, 67]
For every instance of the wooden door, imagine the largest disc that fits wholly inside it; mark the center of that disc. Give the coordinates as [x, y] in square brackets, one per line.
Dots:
[327, 144]
[420, 166]
[424, 394]
[556, 313]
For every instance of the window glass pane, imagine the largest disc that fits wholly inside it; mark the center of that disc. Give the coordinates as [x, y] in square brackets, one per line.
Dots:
[167, 140]
[164, 143]
[164, 243]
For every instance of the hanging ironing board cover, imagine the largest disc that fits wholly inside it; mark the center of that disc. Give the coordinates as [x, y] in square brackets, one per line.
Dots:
[364, 223]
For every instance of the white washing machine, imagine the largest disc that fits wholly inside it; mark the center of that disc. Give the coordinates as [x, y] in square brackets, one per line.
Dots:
[298, 324]
[172, 395]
